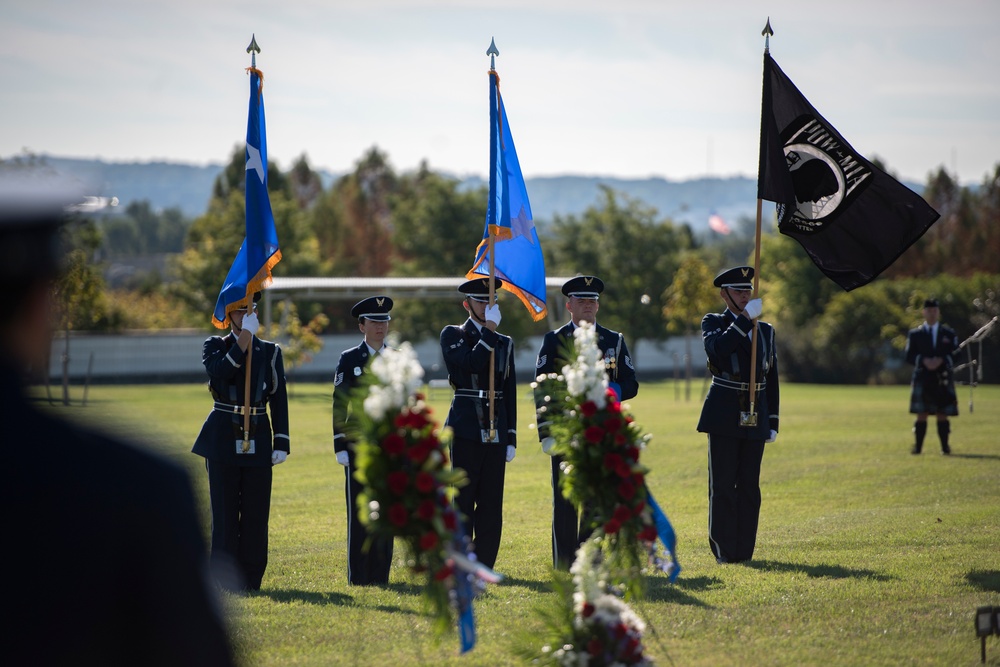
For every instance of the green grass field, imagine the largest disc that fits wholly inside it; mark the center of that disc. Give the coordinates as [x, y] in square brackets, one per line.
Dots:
[866, 554]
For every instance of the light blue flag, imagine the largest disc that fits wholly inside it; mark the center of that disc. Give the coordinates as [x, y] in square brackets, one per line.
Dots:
[517, 251]
[251, 270]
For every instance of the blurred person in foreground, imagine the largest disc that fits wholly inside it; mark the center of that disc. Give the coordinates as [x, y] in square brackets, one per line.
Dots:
[106, 560]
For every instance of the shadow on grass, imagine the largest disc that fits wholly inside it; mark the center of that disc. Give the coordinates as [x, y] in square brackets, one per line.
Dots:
[309, 597]
[984, 580]
[994, 457]
[827, 571]
[530, 584]
[659, 589]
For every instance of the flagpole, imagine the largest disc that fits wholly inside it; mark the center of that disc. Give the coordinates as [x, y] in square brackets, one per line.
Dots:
[253, 50]
[492, 52]
[751, 418]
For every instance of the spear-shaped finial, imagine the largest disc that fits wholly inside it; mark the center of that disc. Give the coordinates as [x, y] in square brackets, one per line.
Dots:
[492, 52]
[767, 32]
[253, 50]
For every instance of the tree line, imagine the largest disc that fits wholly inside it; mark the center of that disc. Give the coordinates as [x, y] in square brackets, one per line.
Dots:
[377, 222]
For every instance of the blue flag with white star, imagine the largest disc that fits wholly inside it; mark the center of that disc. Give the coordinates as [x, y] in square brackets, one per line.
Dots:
[251, 270]
[517, 251]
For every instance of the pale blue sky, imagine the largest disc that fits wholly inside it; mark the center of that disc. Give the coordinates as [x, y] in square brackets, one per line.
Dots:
[629, 88]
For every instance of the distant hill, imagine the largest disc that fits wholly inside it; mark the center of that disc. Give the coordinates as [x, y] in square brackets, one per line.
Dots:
[189, 188]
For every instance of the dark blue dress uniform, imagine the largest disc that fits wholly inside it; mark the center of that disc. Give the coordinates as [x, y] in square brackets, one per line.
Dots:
[371, 565]
[240, 483]
[735, 451]
[932, 391]
[567, 532]
[467, 352]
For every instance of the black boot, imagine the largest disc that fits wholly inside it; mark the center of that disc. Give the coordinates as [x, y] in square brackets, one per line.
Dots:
[944, 428]
[919, 431]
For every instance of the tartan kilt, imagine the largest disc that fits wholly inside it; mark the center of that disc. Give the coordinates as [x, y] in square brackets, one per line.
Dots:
[933, 393]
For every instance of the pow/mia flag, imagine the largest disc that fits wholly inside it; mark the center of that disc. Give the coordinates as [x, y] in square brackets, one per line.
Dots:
[852, 218]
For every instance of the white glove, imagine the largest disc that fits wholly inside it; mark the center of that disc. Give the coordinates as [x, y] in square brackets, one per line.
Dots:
[753, 308]
[342, 458]
[493, 314]
[278, 456]
[251, 323]
[547, 445]
[511, 451]
[774, 436]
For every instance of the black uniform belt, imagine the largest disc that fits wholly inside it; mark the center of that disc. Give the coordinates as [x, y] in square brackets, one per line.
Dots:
[240, 409]
[477, 393]
[730, 384]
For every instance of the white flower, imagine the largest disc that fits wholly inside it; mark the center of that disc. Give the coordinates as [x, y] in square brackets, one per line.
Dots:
[398, 376]
[586, 377]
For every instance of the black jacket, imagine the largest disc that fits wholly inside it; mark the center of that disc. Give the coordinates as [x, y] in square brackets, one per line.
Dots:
[727, 344]
[224, 362]
[617, 361]
[467, 356]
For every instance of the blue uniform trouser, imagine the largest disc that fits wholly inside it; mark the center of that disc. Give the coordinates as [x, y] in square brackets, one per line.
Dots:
[480, 502]
[364, 566]
[733, 496]
[241, 503]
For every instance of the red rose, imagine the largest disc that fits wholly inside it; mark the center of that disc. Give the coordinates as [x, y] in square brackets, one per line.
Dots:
[418, 420]
[594, 647]
[613, 404]
[632, 453]
[428, 541]
[594, 434]
[623, 470]
[612, 461]
[612, 424]
[622, 514]
[620, 630]
[638, 478]
[397, 481]
[648, 534]
[398, 516]
[393, 444]
[450, 521]
[444, 573]
[426, 510]
[401, 420]
[588, 609]
[424, 482]
[621, 439]
[588, 409]
[626, 490]
[612, 527]
[418, 453]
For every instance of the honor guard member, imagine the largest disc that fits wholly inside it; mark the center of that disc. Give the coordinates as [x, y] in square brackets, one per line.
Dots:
[239, 470]
[481, 447]
[105, 552]
[582, 301]
[930, 348]
[369, 565]
[736, 435]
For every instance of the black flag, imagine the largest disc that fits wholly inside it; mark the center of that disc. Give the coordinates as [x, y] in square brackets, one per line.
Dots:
[852, 218]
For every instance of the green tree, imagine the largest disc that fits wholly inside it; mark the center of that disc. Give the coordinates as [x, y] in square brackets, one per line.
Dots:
[622, 241]
[687, 299]
[80, 290]
[299, 342]
[437, 229]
